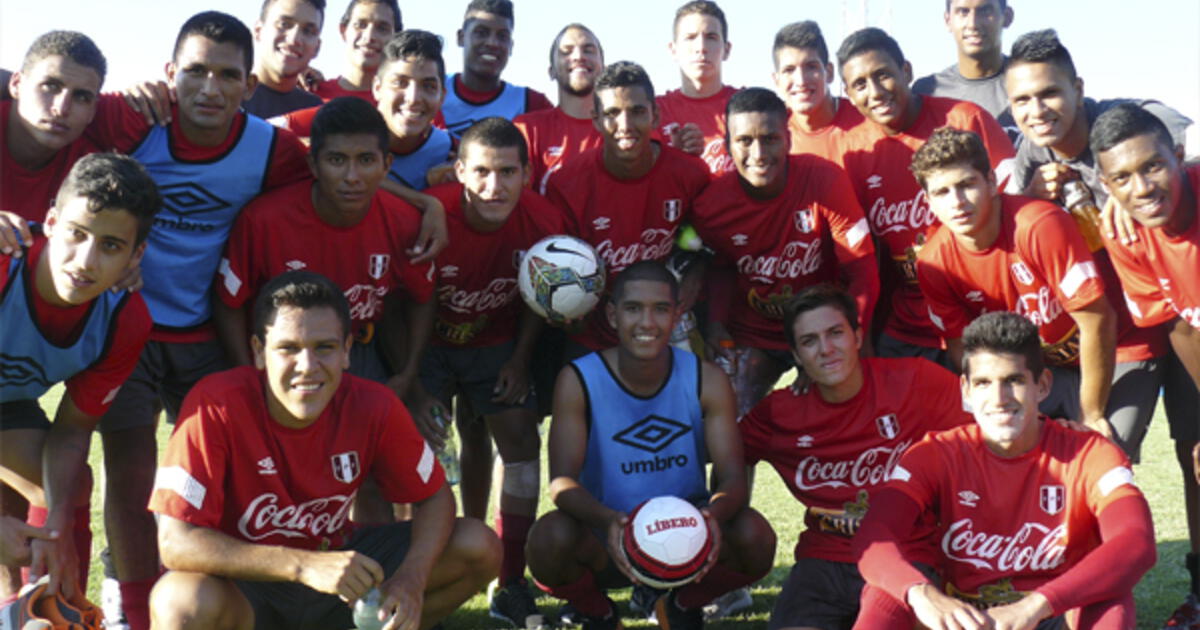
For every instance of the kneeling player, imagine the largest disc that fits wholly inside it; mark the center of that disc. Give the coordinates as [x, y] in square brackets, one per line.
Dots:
[615, 411]
[61, 323]
[262, 538]
[1033, 516]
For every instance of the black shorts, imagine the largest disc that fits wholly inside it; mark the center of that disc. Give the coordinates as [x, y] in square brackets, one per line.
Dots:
[471, 373]
[164, 374]
[294, 606]
[23, 414]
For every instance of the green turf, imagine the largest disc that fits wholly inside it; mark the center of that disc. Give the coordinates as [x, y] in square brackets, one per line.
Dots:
[1157, 594]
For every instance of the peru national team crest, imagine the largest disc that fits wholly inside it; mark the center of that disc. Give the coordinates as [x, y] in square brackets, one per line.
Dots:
[377, 265]
[672, 210]
[888, 426]
[1052, 499]
[1022, 273]
[804, 220]
[345, 466]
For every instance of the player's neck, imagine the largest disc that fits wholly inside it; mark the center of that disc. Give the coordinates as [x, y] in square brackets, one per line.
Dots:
[983, 67]
[1076, 141]
[1023, 443]
[22, 147]
[204, 136]
[817, 118]
[275, 80]
[1184, 214]
[771, 190]
[911, 114]
[357, 79]
[576, 106]
[407, 144]
[702, 87]
[43, 282]
[634, 168]
[643, 377]
[845, 390]
[479, 83]
[329, 213]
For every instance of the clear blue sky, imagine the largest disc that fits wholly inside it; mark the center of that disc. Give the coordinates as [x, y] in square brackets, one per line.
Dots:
[1147, 49]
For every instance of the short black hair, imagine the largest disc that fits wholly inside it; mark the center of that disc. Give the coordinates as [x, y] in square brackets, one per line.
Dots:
[111, 181]
[72, 45]
[623, 74]
[497, 133]
[867, 40]
[701, 7]
[812, 298]
[1124, 122]
[573, 26]
[397, 19]
[947, 147]
[347, 115]
[502, 8]
[1003, 332]
[298, 289]
[416, 44]
[800, 35]
[1042, 47]
[319, 5]
[1003, 4]
[221, 28]
[755, 99]
[648, 270]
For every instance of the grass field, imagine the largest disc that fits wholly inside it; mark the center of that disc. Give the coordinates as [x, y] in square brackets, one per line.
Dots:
[1157, 595]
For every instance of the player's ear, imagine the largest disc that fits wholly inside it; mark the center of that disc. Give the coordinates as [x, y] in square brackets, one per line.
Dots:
[908, 73]
[829, 75]
[251, 83]
[610, 312]
[138, 252]
[1044, 381]
[460, 169]
[346, 351]
[458, 37]
[311, 159]
[728, 47]
[170, 69]
[1079, 90]
[13, 82]
[256, 346]
[1008, 15]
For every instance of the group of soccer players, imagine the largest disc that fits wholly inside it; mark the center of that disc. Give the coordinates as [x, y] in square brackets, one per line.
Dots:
[983, 279]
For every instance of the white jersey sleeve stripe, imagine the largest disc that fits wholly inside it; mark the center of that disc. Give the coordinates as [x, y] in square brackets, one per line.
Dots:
[1076, 276]
[1114, 479]
[232, 282]
[425, 465]
[856, 234]
[899, 473]
[182, 483]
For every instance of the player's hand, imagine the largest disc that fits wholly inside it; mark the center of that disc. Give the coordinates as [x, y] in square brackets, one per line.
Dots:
[688, 138]
[131, 281]
[441, 174]
[800, 386]
[1116, 222]
[1048, 180]
[16, 537]
[939, 611]
[14, 231]
[55, 557]
[434, 236]
[1099, 425]
[347, 574]
[714, 531]
[615, 552]
[1073, 425]
[1023, 614]
[512, 383]
[311, 79]
[151, 99]
[422, 405]
[403, 598]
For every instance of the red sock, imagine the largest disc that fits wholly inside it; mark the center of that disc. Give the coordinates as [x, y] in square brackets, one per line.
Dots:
[135, 601]
[718, 581]
[878, 610]
[583, 594]
[37, 518]
[513, 530]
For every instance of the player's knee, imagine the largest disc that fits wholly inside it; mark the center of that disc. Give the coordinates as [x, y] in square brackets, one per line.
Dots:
[751, 539]
[185, 601]
[553, 538]
[521, 479]
[130, 458]
[516, 435]
[475, 544]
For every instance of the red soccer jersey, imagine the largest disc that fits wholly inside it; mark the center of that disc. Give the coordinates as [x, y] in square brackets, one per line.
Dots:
[1012, 524]
[626, 220]
[280, 231]
[229, 466]
[477, 272]
[93, 389]
[826, 142]
[781, 245]
[833, 455]
[555, 138]
[30, 193]
[1039, 267]
[676, 109]
[330, 89]
[1159, 272]
[895, 203]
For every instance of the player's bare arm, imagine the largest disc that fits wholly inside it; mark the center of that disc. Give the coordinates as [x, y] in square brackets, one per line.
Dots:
[724, 443]
[1185, 340]
[15, 539]
[192, 548]
[433, 236]
[512, 381]
[13, 232]
[403, 593]
[233, 331]
[1097, 356]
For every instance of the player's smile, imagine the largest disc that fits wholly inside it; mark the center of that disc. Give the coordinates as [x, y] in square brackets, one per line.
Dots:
[487, 39]
[801, 77]
[85, 250]
[1144, 176]
[1004, 395]
[1045, 102]
[303, 354]
[878, 87]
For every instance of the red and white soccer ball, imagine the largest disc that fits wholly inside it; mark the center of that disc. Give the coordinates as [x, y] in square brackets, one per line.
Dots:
[666, 541]
[561, 278]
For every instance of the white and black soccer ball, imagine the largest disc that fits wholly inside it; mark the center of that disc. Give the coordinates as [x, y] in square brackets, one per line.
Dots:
[561, 278]
[666, 541]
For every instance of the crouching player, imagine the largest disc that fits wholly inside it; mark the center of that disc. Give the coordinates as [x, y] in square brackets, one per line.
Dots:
[61, 323]
[255, 488]
[1033, 516]
[618, 413]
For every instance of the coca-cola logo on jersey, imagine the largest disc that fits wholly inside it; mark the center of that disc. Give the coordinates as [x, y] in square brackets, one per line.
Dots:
[366, 301]
[324, 516]
[1041, 307]
[799, 258]
[1034, 547]
[871, 468]
[498, 293]
[913, 214]
[655, 244]
[716, 158]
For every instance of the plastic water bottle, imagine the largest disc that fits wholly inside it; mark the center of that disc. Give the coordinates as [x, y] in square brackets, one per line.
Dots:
[366, 612]
[448, 454]
[727, 359]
